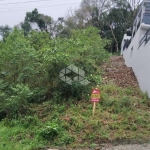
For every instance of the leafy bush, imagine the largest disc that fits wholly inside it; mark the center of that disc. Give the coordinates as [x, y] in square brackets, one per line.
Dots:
[36, 62]
[38, 95]
[50, 132]
[2, 115]
[17, 103]
[76, 91]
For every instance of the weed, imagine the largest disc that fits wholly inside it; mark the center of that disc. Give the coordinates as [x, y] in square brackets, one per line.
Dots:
[126, 102]
[50, 132]
[128, 91]
[71, 124]
[134, 127]
[104, 134]
[140, 120]
[93, 146]
[108, 102]
[67, 139]
[114, 117]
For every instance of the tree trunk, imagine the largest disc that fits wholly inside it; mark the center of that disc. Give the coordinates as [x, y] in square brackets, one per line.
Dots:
[114, 38]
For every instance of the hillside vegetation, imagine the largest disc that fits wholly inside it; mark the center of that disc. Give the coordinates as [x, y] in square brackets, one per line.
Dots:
[30, 66]
[39, 111]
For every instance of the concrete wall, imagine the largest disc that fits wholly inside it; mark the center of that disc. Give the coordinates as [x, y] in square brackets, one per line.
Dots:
[129, 53]
[136, 55]
[139, 59]
[141, 67]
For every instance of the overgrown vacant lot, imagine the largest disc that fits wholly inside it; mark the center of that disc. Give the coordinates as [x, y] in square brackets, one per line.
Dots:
[122, 114]
[39, 110]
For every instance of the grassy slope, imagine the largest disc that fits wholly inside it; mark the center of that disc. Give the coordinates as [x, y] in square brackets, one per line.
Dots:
[123, 113]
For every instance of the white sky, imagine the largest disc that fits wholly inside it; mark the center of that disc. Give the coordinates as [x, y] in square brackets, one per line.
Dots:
[12, 12]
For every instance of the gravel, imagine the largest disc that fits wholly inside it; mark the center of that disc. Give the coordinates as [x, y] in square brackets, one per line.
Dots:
[129, 147]
[120, 147]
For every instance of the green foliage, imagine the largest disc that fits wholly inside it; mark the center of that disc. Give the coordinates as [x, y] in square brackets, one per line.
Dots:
[126, 102]
[5, 31]
[26, 27]
[39, 40]
[34, 62]
[50, 132]
[38, 95]
[17, 59]
[71, 124]
[66, 139]
[16, 103]
[75, 91]
[112, 24]
[25, 121]
[42, 111]
[43, 22]
[2, 114]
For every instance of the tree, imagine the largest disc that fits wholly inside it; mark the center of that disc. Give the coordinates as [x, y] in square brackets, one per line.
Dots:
[114, 16]
[38, 21]
[134, 3]
[4, 31]
[60, 29]
[39, 39]
[26, 27]
[118, 22]
[82, 17]
[111, 17]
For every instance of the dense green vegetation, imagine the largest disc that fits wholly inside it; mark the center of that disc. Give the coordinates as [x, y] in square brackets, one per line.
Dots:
[29, 80]
[40, 111]
[30, 66]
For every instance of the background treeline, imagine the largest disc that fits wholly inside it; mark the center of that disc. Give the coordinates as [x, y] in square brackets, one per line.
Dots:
[112, 17]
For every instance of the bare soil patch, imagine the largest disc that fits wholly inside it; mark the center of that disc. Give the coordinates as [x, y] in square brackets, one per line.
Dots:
[117, 72]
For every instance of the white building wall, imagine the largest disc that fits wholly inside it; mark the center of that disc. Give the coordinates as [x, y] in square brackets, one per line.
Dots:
[141, 67]
[129, 52]
[139, 59]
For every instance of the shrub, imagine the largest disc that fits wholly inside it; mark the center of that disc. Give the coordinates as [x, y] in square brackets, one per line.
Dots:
[37, 63]
[17, 103]
[49, 132]
[38, 95]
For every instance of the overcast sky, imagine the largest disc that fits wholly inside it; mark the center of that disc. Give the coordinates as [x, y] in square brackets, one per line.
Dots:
[12, 12]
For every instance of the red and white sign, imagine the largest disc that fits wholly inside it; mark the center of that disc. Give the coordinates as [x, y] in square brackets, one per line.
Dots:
[95, 96]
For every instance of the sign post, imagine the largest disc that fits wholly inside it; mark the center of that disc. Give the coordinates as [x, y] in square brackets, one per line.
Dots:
[94, 107]
[95, 97]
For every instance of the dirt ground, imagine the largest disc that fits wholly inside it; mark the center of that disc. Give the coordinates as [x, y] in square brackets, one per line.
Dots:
[129, 147]
[123, 76]
[119, 73]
